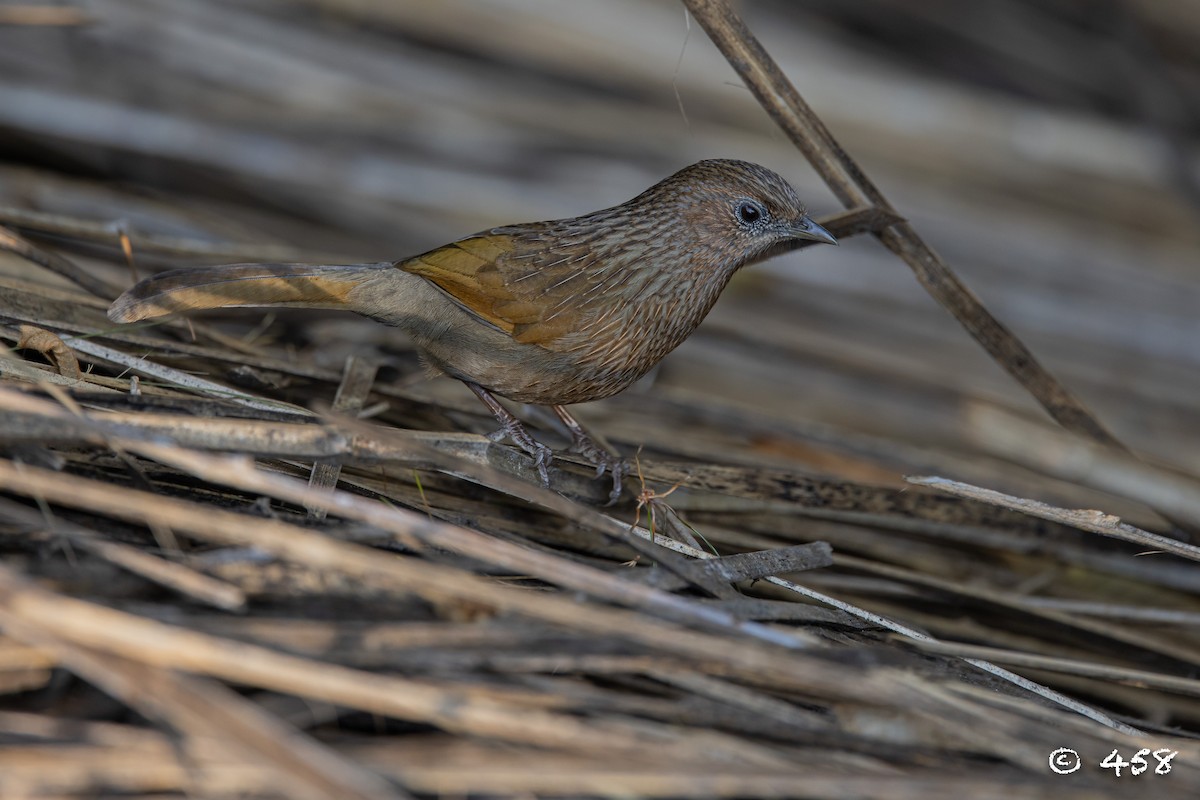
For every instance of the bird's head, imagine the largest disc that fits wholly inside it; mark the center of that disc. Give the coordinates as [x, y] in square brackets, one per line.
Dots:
[737, 213]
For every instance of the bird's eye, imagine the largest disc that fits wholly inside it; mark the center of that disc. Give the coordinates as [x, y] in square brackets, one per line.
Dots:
[749, 213]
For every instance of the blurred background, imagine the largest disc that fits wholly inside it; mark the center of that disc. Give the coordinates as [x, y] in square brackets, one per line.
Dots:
[1048, 149]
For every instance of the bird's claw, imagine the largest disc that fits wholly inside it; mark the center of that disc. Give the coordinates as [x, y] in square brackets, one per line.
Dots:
[619, 468]
[541, 459]
[581, 443]
[540, 453]
[603, 460]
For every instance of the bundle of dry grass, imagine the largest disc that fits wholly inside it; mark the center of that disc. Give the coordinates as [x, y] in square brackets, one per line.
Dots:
[262, 555]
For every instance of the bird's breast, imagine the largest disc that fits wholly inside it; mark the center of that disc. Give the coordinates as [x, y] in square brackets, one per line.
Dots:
[623, 340]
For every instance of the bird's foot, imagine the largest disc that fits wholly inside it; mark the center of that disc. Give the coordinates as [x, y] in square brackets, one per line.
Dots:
[595, 453]
[581, 442]
[541, 454]
[603, 460]
[512, 428]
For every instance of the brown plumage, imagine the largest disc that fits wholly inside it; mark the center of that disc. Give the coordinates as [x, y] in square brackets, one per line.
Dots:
[553, 313]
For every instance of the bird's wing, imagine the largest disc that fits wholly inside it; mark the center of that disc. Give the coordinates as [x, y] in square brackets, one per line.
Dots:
[529, 285]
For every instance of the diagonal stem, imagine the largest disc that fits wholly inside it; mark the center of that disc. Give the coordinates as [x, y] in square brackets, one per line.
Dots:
[850, 184]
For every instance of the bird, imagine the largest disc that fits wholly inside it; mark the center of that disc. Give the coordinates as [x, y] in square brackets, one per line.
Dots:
[549, 313]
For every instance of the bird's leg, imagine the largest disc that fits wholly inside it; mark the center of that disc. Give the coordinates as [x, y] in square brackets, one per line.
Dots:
[513, 428]
[594, 452]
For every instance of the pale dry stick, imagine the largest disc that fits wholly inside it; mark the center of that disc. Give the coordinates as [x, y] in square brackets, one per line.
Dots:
[23, 668]
[755, 701]
[85, 758]
[19, 681]
[101, 734]
[29, 419]
[17, 656]
[1068, 666]
[367, 639]
[20, 298]
[71, 771]
[913, 634]
[1116, 471]
[1132, 639]
[182, 379]
[847, 180]
[357, 379]
[765, 490]
[206, 709]
[29, 372]
[1083, 519]
[186, 581]
[1117, 612]
[89, 230]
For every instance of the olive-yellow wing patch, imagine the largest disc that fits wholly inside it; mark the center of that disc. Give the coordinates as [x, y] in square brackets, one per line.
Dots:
[520, 294]
[467, 271]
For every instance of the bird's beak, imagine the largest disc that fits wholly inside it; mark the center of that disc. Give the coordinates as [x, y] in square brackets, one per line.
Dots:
[805, 228]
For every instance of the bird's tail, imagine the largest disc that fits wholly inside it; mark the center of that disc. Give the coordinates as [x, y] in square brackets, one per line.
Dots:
[241, 285]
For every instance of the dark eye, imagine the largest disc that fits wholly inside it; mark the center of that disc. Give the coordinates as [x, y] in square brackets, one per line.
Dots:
[749, 213]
